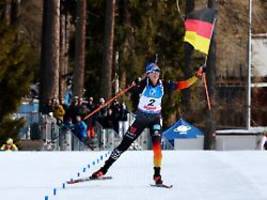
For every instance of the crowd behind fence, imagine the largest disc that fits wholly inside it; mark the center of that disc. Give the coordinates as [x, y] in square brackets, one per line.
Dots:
[60, 137]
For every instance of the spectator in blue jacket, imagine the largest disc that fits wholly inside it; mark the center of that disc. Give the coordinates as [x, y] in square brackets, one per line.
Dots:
[80, 129]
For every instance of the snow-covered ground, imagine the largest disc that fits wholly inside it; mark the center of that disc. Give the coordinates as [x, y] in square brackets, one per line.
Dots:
[195, 175]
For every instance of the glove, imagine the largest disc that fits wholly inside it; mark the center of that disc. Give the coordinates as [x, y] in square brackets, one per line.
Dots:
[137, 81]
[171, 85]
[200, 72]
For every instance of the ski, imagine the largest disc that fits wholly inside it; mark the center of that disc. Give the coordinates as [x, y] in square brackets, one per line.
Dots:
[161, 186]
[79, 180]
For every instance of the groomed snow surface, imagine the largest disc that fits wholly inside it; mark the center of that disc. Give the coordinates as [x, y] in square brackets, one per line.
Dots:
[195, 175]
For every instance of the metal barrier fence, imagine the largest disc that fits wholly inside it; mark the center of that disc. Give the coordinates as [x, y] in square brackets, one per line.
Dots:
[61, 138]
[31, 119]
[108, 138]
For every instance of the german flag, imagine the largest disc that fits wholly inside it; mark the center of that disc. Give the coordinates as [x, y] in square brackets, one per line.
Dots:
[198, 29]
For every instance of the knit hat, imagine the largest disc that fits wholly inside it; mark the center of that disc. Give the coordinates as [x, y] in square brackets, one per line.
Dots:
[152, 67]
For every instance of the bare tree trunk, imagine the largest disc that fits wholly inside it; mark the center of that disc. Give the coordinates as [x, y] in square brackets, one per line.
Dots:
[126, 50]
[15, 11]
[11, 11]
[187, 68]
[64, 47]
[211, 80]
[106, 72]
[62, 50]
[80, 42]
[7, 12]
[49, 72]
[189, 6]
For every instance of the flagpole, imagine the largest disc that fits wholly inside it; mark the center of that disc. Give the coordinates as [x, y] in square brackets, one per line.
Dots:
[249, 67]
[204, 79]
[179, 10]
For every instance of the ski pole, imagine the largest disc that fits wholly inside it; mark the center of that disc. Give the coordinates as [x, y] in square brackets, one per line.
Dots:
[118, 94]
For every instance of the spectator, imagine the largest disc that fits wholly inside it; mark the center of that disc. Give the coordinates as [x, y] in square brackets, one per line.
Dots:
[9, 146]
[91, 120]
[90, 129]
[101, 101]
[68, 96]
[63, 103]
[68, 124]
[80, 101]
[116, 109]
[123, 121]
[65, 107]
[102, 113]
[90, 104]
[82, 108]
[80, 129]
[48, 107]
[109, 120]
[58, 112]
[73, 110]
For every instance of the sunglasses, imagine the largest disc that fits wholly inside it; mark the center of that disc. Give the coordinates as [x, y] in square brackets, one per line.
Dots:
[156, 71]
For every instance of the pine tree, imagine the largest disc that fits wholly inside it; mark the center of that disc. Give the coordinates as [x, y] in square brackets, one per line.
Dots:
[15, 78]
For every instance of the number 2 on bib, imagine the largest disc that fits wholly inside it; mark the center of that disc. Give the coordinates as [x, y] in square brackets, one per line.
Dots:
[151, 102]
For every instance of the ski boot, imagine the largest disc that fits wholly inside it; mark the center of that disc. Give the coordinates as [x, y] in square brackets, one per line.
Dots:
[157, 176]
[158, 180]
[99, 173]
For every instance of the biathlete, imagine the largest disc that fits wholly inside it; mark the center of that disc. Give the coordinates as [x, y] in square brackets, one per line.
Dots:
[148, 115]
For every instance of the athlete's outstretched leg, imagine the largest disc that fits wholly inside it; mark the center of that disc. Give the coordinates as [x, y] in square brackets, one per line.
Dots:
[133, 132]
[156, 146]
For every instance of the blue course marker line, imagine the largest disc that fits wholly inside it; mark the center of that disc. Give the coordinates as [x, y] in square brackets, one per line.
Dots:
[94, 162]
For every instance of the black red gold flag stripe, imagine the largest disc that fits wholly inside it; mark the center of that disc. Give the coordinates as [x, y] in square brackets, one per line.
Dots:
[198, 29]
